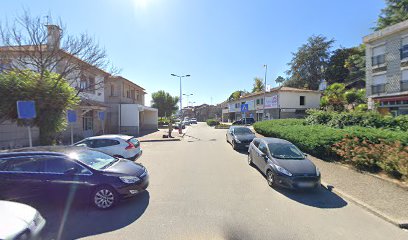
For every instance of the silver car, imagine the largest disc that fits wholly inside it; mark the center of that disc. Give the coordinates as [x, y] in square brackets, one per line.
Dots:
[19, 221]
[122, 146]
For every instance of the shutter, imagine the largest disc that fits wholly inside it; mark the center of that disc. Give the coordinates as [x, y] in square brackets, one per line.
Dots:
[380, 79]
[379, 50]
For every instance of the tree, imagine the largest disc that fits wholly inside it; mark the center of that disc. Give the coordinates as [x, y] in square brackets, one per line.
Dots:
[336, 70]
[28, 44]
[236, 95]
[395, 11]
[333, 97]
[308, 63]
[280, 80]
[52, 98]
[355, 64]
[258, 85]
[165, 103]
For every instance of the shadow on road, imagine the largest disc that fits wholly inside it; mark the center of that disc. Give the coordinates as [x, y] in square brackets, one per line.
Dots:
[319, 198]
[82, 220]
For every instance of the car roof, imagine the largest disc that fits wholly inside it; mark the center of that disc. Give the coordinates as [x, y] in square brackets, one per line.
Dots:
[43, 150]
[274, 140]
[111, 136]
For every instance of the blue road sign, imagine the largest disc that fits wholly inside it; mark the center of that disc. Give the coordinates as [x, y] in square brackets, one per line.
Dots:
[72, 117]
[101, 116]
[26, 109]
[244, 107]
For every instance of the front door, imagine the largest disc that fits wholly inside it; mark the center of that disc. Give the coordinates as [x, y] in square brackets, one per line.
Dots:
[262, 160]
[87, 124]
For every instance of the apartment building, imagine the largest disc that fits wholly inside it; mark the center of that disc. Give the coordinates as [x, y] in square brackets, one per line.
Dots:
[279, 102]
[387, 69]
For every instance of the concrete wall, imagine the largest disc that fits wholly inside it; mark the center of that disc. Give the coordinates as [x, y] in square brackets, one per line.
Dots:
[292, 99]
[150, 120]
[13, 136]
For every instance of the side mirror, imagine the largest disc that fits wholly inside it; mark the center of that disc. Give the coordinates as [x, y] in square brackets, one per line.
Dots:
[70, 171]
[304, 154]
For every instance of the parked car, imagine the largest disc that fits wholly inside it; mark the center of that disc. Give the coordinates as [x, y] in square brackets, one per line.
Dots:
[186, 122]
[122, 146]
[19, 221]
[247, 121]
[177, 124]
[283, 164]
[193, 121]
[82, 172]
[240, 137]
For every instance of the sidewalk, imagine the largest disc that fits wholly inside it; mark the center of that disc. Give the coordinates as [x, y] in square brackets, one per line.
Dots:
[381, 197]
[157, 136]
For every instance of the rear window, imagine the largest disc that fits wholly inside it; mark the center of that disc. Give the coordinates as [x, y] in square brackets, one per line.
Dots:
[104, 143]
[135, 142]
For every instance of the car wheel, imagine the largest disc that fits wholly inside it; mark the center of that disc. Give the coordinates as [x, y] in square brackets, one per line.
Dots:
[104, 197]
[250, 163]
[270, 178]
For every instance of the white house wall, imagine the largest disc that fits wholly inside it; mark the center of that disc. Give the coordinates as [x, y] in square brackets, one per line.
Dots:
[292, 99]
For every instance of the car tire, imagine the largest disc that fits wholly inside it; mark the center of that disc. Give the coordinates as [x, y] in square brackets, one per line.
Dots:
[104, 197]
[250, 163]
[270, 178]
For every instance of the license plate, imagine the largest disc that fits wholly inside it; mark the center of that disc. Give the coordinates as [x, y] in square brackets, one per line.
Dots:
[306, 184]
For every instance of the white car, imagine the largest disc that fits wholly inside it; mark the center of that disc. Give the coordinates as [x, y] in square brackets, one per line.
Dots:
[193, 121]
[19, 221]
[122, 146]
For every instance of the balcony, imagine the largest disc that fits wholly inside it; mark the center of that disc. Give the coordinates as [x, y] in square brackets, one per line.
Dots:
[404, 85]
[378, 60]
[380, 88]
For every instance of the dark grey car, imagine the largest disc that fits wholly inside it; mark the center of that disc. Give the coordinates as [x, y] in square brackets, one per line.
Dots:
[283, 164]
[240, 137]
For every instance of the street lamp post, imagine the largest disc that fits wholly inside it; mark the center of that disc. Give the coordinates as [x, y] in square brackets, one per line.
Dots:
[264, 97]
[188, 95]
[181, 102]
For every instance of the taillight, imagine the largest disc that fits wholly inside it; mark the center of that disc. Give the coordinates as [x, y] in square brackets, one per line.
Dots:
[130, 146]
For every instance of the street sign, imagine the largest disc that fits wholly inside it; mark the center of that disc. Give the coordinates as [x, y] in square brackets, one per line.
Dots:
[71, 115]
[101, 116]
[26, 109]
[244, 108]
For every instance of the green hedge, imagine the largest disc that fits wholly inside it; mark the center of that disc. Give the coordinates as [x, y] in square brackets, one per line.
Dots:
[319, 139]
[356, 118]
[212, 122]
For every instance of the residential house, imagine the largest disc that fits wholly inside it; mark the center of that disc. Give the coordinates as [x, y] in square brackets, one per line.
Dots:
[279, 102]
[387, 69]
[127, 113]
[204, 112]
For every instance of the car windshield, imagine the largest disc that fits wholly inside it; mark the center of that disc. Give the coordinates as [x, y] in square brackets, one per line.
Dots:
[242, 131]
[285, 151]
[94, 159]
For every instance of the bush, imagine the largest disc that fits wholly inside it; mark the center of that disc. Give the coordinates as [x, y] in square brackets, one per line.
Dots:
[212, 122]
[356, 118]
[392, 158]
[222, 126]
[163, 121]
[319, 139]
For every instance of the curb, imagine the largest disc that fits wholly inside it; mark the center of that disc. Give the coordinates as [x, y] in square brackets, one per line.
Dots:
[373, 210]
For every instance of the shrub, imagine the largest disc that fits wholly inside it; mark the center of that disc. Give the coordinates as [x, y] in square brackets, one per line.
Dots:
[392, 157]
[212, 122]
[356, 118]
[222, 126]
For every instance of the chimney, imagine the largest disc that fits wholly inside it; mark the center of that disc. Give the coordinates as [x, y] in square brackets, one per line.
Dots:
[54, 36]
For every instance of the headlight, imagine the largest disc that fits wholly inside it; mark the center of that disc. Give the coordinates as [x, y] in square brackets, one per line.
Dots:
[129, 179]
[282, 170]
[317, 172]
[237, 141]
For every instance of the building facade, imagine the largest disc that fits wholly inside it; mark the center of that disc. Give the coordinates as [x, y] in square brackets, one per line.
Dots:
[280, 102]
[387, 69]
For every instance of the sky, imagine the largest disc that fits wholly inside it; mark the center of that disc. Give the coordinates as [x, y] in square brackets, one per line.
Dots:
[222, 44]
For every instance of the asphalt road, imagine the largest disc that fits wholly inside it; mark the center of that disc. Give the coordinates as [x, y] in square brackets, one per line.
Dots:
[202, 189]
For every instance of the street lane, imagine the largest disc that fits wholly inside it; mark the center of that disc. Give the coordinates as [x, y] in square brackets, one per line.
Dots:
[202, 189]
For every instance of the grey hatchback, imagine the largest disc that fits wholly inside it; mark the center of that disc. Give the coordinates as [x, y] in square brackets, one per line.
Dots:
[283, 164]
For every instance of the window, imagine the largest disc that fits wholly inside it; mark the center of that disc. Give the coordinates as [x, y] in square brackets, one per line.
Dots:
[61, 165]
[378, 56]
[256, 143]
[88, 121]
[262, 148]
[302, 100]
[112, 90]
[285, 151]
[378, 84]
[25, 164]
[83, 84]
[137, 96]
[97, 143]
[404, 48]
[91, 84]
[132, 94]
